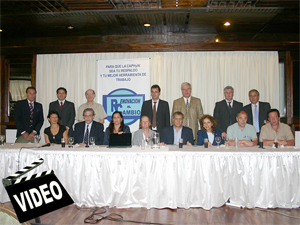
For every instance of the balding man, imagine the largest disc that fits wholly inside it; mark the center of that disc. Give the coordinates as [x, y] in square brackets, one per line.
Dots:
[100, 113]
[245, 133]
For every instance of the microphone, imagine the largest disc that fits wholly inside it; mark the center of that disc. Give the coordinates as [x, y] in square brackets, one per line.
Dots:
[45, 145]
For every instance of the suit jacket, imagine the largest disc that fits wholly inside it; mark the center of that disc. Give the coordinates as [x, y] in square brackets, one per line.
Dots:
[223, 116]
[126, 129]
[162, 113]
[138, 136]
[264, 107]
[96, 131]
[203, 134]
[22, 117]
[195, 112]
[67, 114]
[167, 135]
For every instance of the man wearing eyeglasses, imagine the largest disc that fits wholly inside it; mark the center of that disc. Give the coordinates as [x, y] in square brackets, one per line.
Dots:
[88, 128]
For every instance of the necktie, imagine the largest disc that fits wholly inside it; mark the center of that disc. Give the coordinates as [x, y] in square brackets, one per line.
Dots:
[187, 112]
[61, 106]
[256, 118]
[229, 106]
[31, 113]
[154, 116]
[86, 136]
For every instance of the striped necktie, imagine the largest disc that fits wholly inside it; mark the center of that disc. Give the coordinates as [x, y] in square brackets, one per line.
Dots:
[86, 136]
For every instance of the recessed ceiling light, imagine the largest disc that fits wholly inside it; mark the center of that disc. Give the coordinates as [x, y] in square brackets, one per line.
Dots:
[227, 24]
[147, 24]
[70, 27]
[0, 30]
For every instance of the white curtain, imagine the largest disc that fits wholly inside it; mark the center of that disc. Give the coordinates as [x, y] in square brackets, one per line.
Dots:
[17, 89]
[208, 72]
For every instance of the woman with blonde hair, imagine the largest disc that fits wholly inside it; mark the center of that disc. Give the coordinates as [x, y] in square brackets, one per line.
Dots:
[144, 132]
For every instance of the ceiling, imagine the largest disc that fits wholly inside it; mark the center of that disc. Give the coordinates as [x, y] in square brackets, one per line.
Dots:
[251, 21]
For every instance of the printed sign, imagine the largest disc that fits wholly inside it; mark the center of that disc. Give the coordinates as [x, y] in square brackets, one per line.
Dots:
[124, 85]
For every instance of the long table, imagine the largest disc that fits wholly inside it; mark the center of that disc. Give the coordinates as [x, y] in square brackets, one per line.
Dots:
[167, 177]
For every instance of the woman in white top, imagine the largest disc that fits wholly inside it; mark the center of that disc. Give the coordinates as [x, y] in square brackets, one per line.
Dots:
[144, 132]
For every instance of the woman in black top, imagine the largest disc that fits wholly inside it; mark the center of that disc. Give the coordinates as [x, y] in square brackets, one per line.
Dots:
[55, 132]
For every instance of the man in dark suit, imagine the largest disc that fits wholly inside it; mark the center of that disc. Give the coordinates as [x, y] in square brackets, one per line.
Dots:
[171, 135]
[226, 111]
[256, 111]
[28, 117]
[88, 128]
[158, 107]
[65, 109]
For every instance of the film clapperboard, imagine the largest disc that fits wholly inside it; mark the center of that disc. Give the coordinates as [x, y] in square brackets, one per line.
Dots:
[35, 195]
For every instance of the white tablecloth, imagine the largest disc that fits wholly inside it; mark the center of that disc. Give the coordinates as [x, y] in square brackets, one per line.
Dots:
[169, 177]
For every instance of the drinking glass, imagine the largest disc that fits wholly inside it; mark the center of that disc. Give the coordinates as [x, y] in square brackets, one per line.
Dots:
[2, 138]
[71, 140]
[218, 140]
[92, 141]
[226, 142]
[38, 138]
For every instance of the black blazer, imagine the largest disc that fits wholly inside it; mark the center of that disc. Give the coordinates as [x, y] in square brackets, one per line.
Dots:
[67, 114]
[162, 113]
[264, 107]
[223, 116]
[96, 131]
[167, 135]
[22, 117]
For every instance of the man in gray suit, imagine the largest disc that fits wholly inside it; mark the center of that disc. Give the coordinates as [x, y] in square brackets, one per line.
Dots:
[257, 111]
[226, 111]
[65, 109]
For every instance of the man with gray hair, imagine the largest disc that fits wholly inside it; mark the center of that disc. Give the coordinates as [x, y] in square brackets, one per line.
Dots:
[226, 111]
[88, 128]
[100, 113]
[190, 107]
[257, 111]
[171, 135]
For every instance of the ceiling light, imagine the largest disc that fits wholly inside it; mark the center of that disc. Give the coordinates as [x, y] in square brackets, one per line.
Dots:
[70, 27]
[226, 24]
[147, 24]
[216, 40]
[0, 30]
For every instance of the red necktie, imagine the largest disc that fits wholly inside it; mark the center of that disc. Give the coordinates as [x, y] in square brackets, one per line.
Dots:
[154, 116]
[61, 105]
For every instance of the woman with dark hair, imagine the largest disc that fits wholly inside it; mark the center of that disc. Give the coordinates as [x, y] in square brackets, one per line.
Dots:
[208, 130]
[55, 132]
[116, 125]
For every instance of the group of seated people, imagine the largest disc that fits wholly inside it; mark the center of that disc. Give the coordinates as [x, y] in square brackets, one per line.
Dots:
[245, 133]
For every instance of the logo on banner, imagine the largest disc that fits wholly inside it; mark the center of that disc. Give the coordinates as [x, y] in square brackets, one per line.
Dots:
[126, 101]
